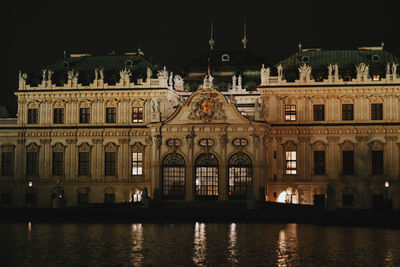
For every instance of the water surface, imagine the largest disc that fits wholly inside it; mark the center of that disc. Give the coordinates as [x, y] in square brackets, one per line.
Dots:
[199, 244]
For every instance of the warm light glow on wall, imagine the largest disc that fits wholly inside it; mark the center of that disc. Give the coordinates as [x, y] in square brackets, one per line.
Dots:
[30, 184]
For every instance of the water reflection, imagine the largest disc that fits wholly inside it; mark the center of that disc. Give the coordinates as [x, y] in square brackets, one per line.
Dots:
[232, 245]
[287, 245]
[200, 244]
[137, 244]
[29, 227]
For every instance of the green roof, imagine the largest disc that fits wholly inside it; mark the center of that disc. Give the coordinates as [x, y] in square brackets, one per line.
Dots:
[86, 65]
[346, 59]
[4, 112]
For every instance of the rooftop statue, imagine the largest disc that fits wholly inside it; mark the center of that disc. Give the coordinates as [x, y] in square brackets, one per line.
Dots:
[149, 74]
[280, 70]
[362, 71]
[178, 82]
[265, 73]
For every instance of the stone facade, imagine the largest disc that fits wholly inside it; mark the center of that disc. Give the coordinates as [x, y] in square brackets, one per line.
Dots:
[329, 142]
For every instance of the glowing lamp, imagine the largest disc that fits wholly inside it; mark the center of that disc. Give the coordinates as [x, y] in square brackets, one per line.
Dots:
[386, 184]
[30, 184]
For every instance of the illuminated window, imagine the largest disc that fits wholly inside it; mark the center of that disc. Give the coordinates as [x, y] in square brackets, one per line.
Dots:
[31, 163]
[83, 163]
[240, 176]
[110, 163]
[376, 112]
[206, 171]
[347, 112]
[376, 78]
[225, 57]
[84, 115]
[377, 162]
[6, 163]
[290, 112]
[348, 162]
[33, 116]
[319, 162]
[319, 112]
[58, 116]
[173, 177]
[137, 114]
[137, 163]
[290, 162]
[58, 163]
[240, 142]
[111, 115]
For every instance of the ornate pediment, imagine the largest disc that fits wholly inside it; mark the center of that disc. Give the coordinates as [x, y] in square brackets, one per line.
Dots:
[347, 146]
[110, 147]
[318, 146]
[376, 145]
[289, 146]
[207, 108]
[84, 147]
[138, 147]
[58, 147]
[32, 147]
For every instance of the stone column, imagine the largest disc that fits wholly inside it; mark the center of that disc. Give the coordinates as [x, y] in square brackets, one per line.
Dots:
[304, 158]
[97, 160]
[70, 159]
[391, 166]
[45, 156]
[123, 162]
[20, 161]
[222, 184]
[189, 194]
[333, 157]
[362, 162]
[155, 165]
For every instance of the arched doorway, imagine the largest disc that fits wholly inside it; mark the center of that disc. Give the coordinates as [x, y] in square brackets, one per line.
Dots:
[240, 176]
[173, 176]
[206, 173]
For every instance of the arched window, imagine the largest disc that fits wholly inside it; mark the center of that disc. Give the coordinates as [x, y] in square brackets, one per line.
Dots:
[173, 176]
[240, 176]
[206, 171]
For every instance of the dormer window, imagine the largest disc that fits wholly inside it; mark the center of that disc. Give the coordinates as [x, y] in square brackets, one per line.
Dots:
[225, 57]
[305, 59]
[128, 63]
[375, 58]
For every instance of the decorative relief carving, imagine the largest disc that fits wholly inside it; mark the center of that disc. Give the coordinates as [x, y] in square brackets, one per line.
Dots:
[84, 147]
[223, 139]
[333, 138]
[346, 100]
[289, 146]
[58, 147]
[347, 146]
[138, 147]
[111, 147]
[318, 100]
[376, 145]
[375, 99]
[207, 108]
[318, 146]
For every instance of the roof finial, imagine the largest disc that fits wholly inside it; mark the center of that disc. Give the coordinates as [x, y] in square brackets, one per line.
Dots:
[382, 44]
[211, 42]
[300, 47]
[65, 54]
[244, 40]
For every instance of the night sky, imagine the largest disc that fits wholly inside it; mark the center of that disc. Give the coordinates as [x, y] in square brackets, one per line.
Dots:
[173, 33]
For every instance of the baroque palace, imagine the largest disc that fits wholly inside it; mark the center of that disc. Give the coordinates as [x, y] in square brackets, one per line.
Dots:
[319, 128]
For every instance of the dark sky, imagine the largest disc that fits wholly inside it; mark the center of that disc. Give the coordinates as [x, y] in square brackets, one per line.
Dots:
[36, 33]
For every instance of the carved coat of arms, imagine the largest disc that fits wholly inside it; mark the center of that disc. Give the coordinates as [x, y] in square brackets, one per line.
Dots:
[207, 108]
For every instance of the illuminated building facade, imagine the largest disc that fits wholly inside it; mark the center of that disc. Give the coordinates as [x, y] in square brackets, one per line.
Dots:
[320, 127]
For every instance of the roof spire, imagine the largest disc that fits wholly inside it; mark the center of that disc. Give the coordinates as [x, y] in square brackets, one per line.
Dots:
[211, 42]
[300, 47]
[244, 40]
[382, 44]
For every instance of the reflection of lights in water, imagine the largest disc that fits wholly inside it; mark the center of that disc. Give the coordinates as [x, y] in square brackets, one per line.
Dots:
[232, 246]
[287, 246]
[200, 243]
[137, 244]
[29, 226]
[388, 260]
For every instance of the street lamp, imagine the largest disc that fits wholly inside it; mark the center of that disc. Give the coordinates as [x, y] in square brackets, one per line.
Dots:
[30, 184]
[387, 190]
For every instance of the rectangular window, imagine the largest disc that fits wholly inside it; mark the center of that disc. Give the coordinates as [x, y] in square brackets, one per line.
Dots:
[6, 163]
[290, 162]
[319, 162]
[110, 164]
[347, 112]
[109, 198]
[377, 162]
[348, 162]
[137, 163]
[111, 115]
[319, 112]
[32, 163]
[58, 115]
[290, 112]
[83, 198]
[84, 115]
[84, 164]
[33, 116]
[58, 163]
[376, 112]
[137, 115]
